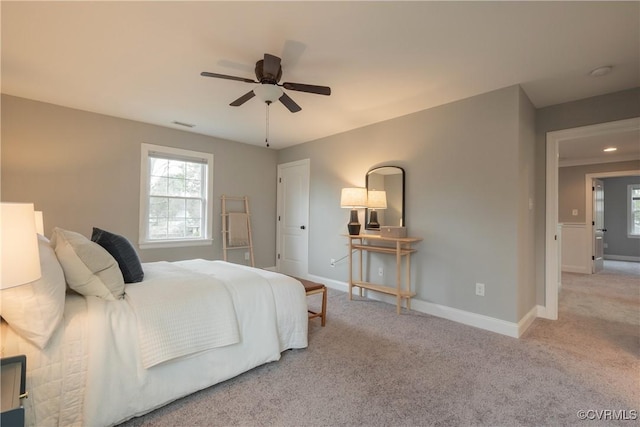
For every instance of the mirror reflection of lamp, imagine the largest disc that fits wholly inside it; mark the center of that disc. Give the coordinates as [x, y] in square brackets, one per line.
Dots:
[353, 198]
[19, 245]
[377, 199]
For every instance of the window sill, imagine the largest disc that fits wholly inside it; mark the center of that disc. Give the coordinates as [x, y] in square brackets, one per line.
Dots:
[174, 243]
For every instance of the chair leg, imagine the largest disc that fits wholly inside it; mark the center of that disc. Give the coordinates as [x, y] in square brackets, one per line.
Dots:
[322, 314]
[324, 306]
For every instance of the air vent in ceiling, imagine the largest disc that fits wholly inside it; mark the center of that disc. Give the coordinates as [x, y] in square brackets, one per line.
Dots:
[188, 125]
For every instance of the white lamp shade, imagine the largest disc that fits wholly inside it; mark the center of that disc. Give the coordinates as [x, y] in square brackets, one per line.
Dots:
[268, 92]
[354, 197]
[18, 245]
[39, 223]
[377, 199]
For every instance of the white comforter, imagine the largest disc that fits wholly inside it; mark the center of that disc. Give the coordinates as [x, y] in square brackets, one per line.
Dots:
[102, 378]
[202, 314]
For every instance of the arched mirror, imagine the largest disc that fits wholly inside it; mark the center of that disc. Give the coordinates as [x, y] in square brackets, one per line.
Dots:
[385, 186]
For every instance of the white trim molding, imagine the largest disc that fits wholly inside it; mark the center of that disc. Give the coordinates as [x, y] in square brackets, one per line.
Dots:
[588, 204]
[503, 327]
[552, 262]
[146, 152]
[597, 161]
[622, 258]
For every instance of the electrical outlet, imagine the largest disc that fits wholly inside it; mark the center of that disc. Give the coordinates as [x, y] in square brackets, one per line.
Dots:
[246, 256]
[332, 262]
[380, 271]
[480, 289]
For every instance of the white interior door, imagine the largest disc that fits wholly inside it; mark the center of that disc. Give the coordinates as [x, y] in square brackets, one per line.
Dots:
[598, 225]
[292, 242]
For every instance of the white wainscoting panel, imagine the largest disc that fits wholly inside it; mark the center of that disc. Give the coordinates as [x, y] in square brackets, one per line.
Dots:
[575, 248]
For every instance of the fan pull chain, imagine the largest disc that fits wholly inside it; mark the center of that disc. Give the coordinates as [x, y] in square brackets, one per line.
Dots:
[266, 138]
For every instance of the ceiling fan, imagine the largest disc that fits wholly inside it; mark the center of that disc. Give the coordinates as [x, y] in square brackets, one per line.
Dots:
[268, 74]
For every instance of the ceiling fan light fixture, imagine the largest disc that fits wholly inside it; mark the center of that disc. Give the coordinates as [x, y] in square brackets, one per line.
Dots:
[268, 93]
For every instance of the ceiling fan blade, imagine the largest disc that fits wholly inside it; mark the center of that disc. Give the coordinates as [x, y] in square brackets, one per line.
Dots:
[244, 98]
[271, 66]
[289, 103]
[224, 76]
[320, 90]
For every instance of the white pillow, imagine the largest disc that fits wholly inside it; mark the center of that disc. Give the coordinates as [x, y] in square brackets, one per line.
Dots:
[35, 310]
[88, 268]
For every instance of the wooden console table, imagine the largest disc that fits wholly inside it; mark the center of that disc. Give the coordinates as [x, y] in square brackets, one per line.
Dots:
[400, 246]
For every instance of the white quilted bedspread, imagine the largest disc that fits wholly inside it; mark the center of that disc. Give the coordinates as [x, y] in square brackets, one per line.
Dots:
[180, 312]
[56, 376]
[91, 373]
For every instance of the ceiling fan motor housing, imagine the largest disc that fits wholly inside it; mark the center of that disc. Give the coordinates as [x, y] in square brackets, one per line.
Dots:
[267, 78]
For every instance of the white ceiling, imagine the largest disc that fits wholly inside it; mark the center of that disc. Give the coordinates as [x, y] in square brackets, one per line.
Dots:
[142, 60]
[589, 150]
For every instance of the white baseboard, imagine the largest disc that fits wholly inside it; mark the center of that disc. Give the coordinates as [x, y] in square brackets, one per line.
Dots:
[528, 319]
[575, 269]
[622, 258]
[492, 324]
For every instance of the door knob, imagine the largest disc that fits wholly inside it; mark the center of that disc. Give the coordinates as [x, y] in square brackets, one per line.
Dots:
[302, 227]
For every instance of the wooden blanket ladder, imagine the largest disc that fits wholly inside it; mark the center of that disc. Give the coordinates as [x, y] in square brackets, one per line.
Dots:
[236, 226]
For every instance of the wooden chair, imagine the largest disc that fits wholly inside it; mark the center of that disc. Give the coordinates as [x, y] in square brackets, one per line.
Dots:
[313, 288]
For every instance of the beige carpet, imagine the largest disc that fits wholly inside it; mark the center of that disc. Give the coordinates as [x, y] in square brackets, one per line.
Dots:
[371, 367]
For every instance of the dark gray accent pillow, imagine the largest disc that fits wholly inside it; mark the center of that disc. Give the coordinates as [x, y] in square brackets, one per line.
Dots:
[123, 251]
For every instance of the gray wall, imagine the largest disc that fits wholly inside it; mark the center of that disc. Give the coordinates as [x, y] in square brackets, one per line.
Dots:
[83, 170]
[469, 174]
[615, 217]
[464, 166]
[571, 187]
[526, 214]
[598, 109]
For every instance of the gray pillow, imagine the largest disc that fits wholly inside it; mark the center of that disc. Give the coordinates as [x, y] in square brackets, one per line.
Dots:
[123, 251]
[88, 268]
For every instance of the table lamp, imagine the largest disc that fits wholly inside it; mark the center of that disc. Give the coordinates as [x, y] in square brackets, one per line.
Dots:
[354, 198]
[377, 199]
[18, 245]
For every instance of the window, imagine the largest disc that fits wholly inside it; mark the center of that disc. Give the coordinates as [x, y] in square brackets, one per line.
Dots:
[633, 212]
[175, 207]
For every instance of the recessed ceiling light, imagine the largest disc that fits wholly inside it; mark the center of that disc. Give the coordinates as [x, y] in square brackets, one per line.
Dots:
[601, 71]
[608, 149]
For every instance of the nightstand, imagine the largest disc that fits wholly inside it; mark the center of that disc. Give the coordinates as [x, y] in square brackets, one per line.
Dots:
[13, 383]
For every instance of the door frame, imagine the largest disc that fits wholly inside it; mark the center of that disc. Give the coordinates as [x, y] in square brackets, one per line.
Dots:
[552, 252]
[588, 208]
[590, 225]
[279, 201]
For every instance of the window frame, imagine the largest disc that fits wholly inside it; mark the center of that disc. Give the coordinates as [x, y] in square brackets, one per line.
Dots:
[630, 188]
[144, 242]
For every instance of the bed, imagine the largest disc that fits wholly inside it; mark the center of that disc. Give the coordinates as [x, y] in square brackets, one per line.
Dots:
[185, 326]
